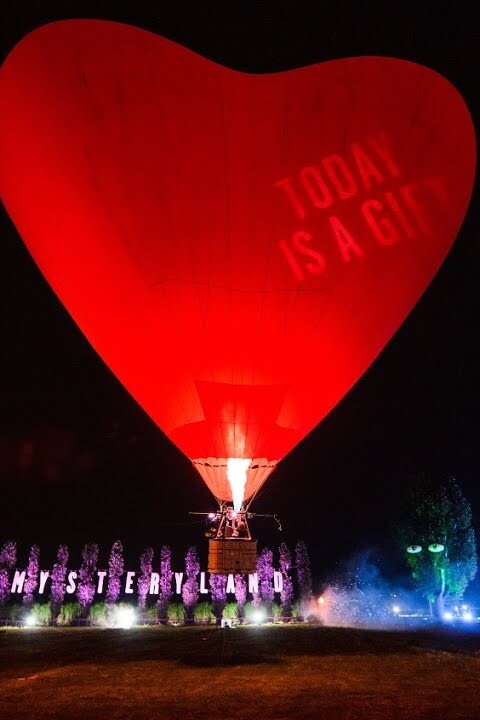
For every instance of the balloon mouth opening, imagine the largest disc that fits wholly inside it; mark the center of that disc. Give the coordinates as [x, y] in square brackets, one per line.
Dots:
[245, 477]
[237, 478]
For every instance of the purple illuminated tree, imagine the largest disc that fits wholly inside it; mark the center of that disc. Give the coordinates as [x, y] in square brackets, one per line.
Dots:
[286, 594]
[31, 581]
[86, 584]
[115, 572]
[265, 579]
[191, 589]
[143, 583]
[57, 588]
[165, 590]
[241, 595]
[8, 558]
[304, 578]
[218, 591]
[256, 598]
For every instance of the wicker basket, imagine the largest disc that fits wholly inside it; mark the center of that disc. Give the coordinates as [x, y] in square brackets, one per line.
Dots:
[227, 557]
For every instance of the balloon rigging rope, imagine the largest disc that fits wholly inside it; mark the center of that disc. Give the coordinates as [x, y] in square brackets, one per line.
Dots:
[257, 491]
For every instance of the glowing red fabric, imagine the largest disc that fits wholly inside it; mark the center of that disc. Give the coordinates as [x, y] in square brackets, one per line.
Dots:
[237, 248]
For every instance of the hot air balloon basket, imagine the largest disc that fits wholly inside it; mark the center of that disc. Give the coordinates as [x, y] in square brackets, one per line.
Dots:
[238, 557]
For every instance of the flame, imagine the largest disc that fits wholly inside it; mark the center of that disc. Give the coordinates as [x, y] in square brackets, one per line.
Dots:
[237, 477]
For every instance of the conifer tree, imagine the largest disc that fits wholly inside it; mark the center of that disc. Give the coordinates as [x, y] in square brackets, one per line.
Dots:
[304, 578]
[31, 580]
[165, 589]
[265, 579]
[115, 572]
[86, 584]
[144, 577]
[8, 558]
[57, 588]
[218, 591]
[241, 595]
[191, 588]
[286, 595]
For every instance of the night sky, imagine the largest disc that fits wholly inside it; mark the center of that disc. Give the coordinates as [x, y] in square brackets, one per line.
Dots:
[80, 461]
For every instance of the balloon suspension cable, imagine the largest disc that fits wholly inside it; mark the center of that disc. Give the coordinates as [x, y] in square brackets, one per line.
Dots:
[255, 494]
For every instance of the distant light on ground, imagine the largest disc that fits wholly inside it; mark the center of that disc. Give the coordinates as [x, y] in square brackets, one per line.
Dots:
[468, 615]
[321, 600]
[259, 616]
[396, 609]
[448, 615]
[122, 617]
[30, 620]
[126, 618]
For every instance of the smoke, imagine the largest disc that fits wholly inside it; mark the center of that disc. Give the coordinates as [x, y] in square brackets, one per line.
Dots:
[359, 596]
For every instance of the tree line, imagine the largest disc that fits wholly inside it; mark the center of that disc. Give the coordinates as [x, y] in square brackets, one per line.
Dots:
[295, 596]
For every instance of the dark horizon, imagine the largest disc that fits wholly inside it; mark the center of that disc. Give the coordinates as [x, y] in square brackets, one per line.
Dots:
[80, 460]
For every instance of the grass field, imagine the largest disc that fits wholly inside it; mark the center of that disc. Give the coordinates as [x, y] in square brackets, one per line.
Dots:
[264, 673]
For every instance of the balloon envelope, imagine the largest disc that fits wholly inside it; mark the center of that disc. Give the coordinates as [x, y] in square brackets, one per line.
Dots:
[238, 248]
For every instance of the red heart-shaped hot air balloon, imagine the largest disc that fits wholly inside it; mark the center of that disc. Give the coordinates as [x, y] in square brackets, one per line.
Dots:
[237, 248]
